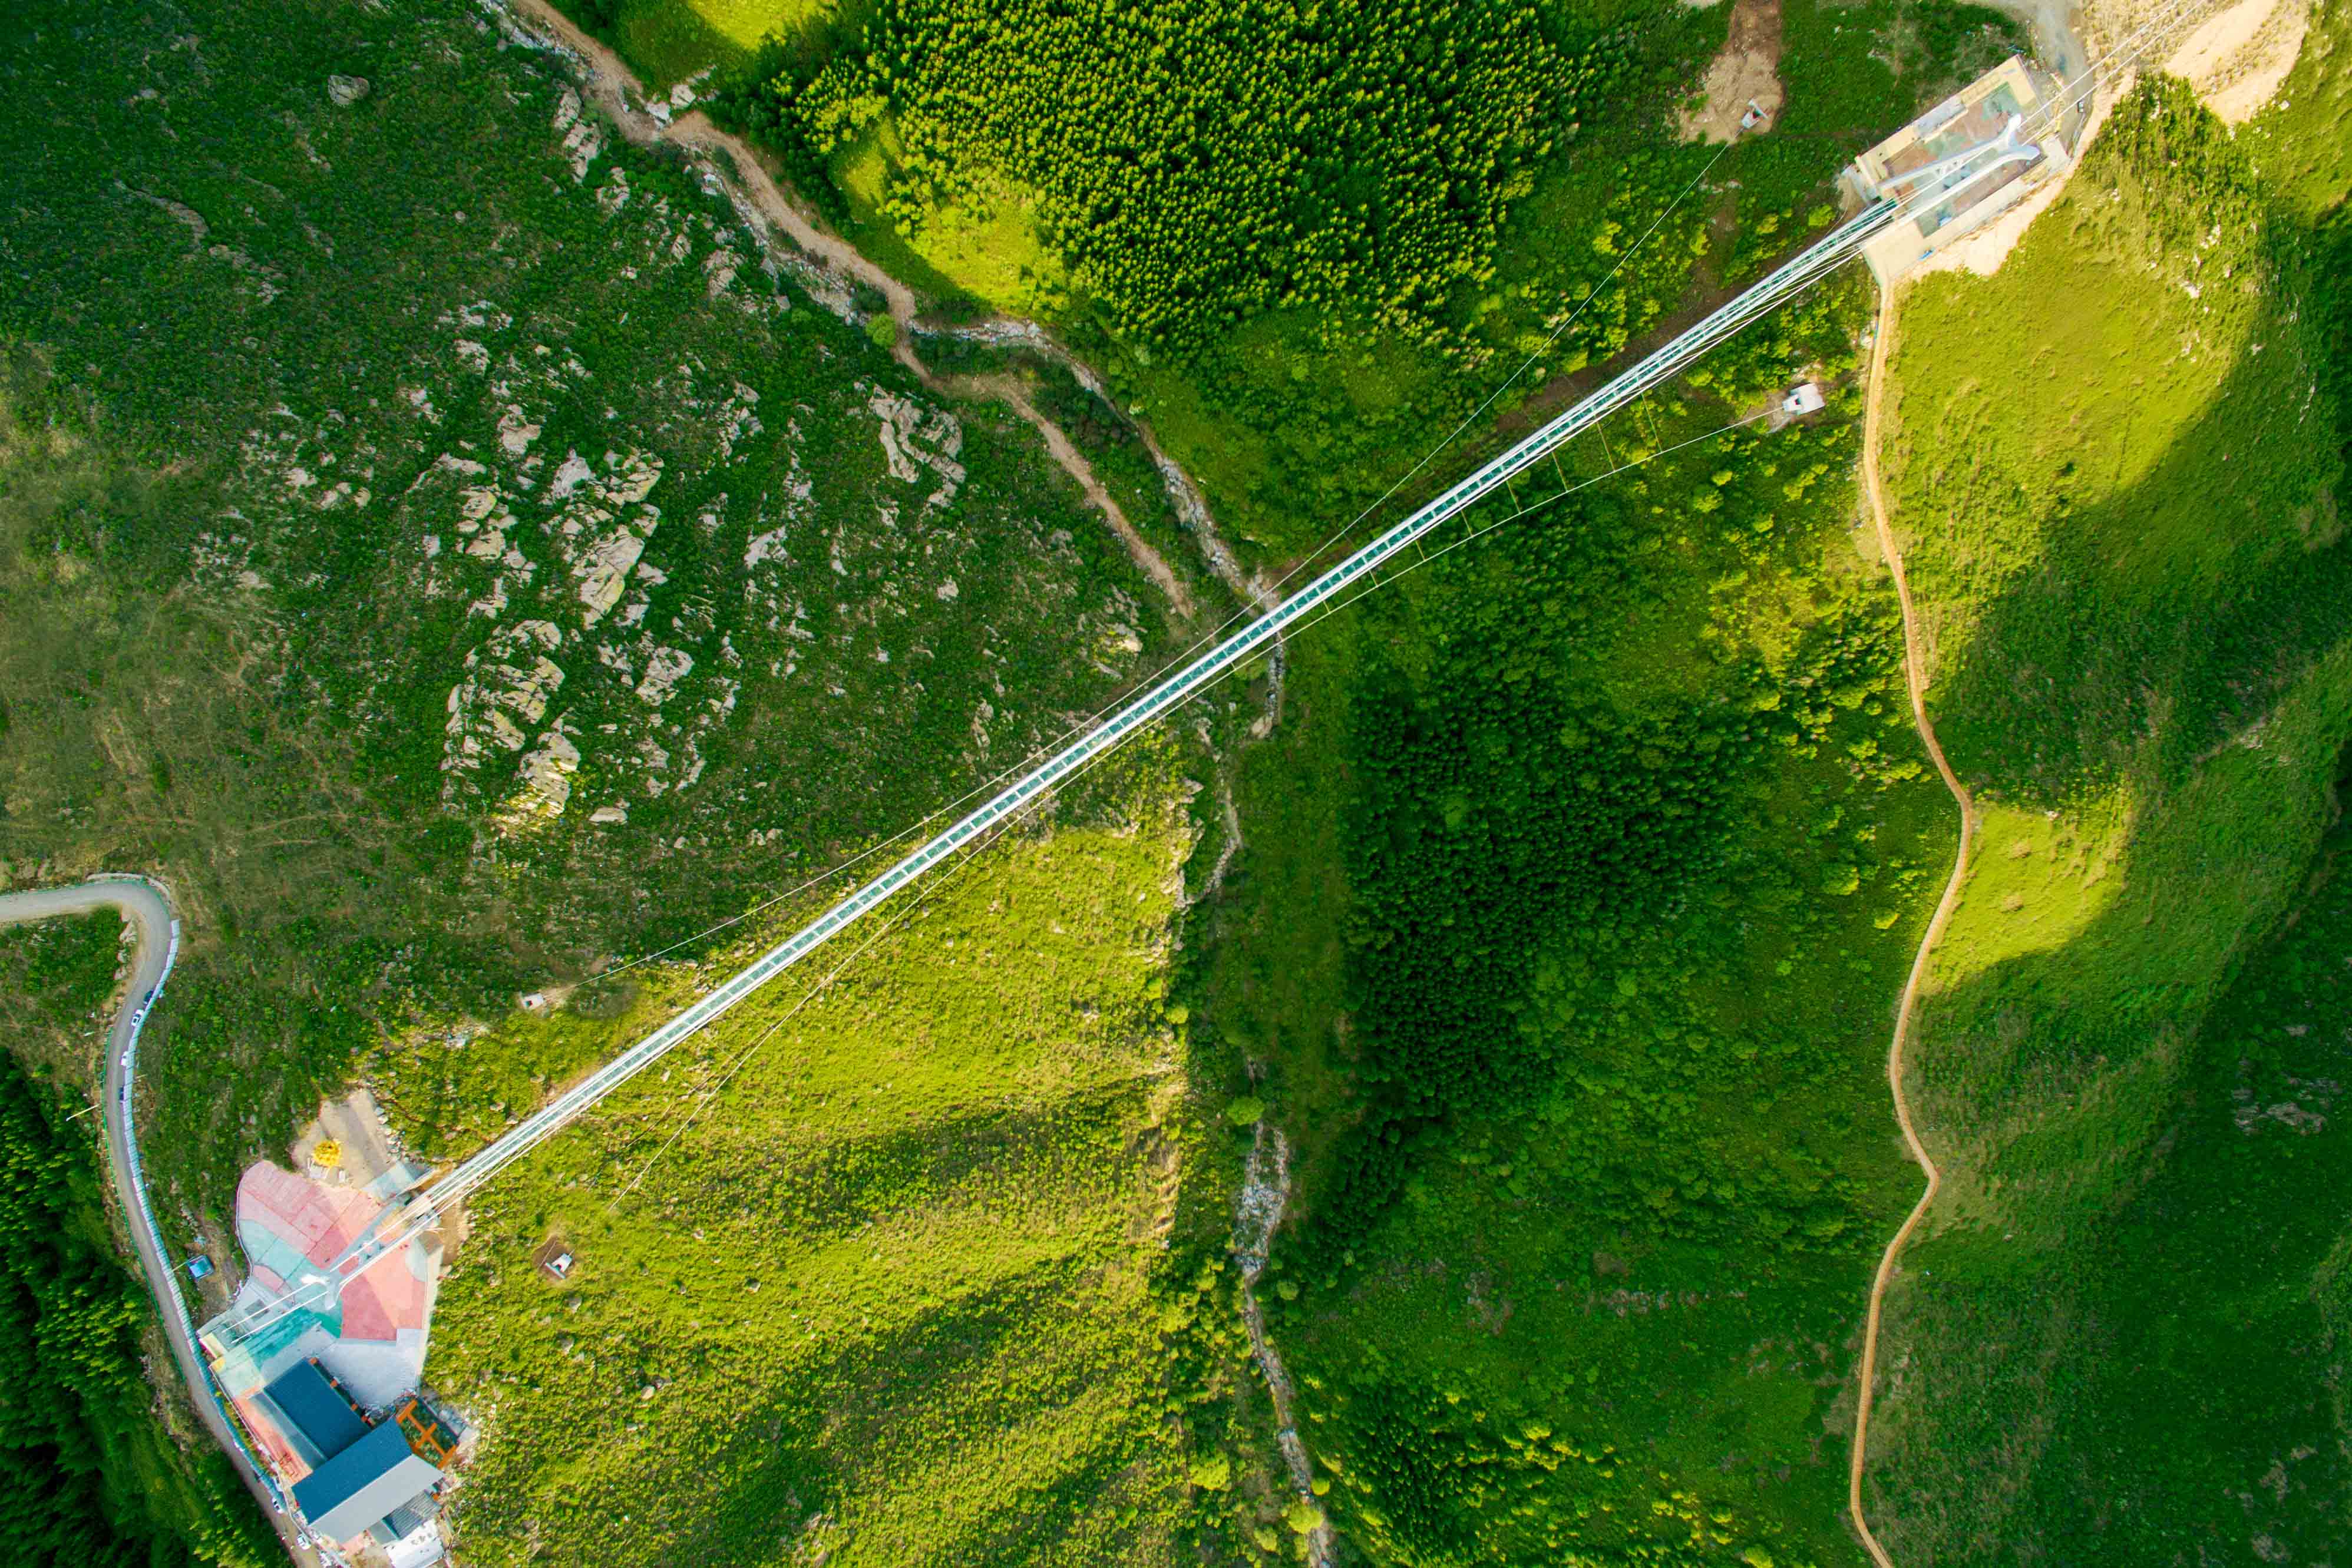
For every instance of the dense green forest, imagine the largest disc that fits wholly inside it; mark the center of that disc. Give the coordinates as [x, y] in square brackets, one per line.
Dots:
[2120, 463]
[1200, 163]
[1306, 241]
[97, 1478]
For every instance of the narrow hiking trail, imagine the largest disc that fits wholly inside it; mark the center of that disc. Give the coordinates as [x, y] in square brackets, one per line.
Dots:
[1914, 675]
[611, 87]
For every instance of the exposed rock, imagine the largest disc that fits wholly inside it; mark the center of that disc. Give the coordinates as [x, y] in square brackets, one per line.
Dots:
[515, 433]
[614, 193]
[547, 776]
[197, 229]
[568, 475]
[510, 678]
[347, 91]
[582, 144]
[604, 573]
[912, 435]
[663, 672]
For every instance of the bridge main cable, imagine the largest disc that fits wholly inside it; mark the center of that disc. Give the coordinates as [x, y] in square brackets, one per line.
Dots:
[424, 1205]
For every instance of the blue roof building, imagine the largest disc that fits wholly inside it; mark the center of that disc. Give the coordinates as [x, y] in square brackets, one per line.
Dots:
[313, 1412]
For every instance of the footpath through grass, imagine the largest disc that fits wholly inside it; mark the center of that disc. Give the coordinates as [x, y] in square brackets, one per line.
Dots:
[1583, 871]
[2119, 466]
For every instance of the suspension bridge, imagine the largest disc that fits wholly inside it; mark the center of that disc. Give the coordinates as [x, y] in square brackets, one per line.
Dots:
[1885, 204]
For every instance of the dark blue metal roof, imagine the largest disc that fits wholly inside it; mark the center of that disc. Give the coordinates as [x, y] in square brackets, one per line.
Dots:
[303, 1394]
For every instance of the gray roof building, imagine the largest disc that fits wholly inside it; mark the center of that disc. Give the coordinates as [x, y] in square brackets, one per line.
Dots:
[366, 1482]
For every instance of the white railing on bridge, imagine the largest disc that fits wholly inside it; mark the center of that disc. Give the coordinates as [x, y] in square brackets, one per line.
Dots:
[403, 1222]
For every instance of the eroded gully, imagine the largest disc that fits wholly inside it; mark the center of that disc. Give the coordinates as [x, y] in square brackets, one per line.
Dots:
[813, 253]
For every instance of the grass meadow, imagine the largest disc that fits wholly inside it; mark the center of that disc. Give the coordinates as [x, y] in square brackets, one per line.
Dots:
[921, 1264]
[2117, 464]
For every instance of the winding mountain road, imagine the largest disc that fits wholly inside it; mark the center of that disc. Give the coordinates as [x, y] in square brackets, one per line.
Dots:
[141, 903]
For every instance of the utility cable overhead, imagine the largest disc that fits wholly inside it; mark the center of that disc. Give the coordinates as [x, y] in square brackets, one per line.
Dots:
[1330, 590]
[1209, 637]
[1489, 479]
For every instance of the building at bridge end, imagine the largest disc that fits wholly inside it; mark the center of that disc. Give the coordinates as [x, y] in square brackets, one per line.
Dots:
[324, 1375]
[1973, 157]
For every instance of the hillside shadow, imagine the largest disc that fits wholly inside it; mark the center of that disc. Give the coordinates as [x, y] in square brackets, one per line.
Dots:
[2121, 1336]
[2126, 657]
[2194, 682]
[2212, 688]
[843, 1185]
[800, 1448]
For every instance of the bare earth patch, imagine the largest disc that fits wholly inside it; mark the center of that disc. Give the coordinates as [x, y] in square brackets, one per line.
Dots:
[1746, 72]
[2238, 57]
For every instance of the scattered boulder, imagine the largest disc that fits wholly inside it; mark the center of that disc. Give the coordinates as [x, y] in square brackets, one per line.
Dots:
[347, 91]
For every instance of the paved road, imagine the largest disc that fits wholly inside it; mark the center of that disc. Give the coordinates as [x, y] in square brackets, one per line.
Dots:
[141, 903]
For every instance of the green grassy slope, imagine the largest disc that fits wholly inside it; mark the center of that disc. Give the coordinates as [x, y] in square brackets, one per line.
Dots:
[895, 1273]
[2118, 465]
[99, 1478]
[315, 418]
[929, 1276]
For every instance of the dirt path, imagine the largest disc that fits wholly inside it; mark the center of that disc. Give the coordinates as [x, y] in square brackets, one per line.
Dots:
[1009, 390]
[611, 87]
[1915, 673]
